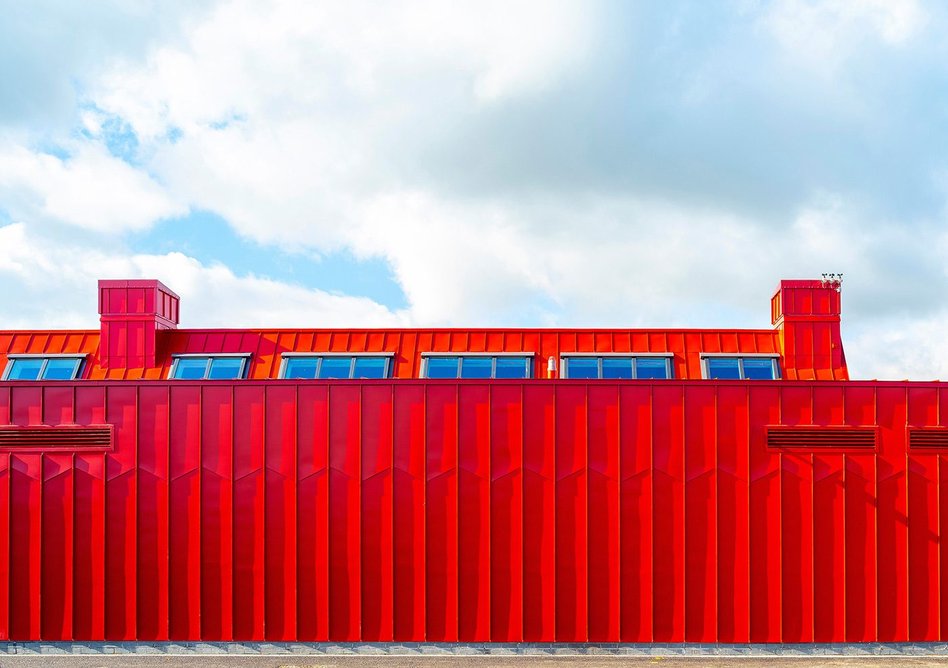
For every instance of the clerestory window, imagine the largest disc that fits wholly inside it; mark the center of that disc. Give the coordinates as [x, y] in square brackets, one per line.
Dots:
[509, 366]
[740, 367]
[43, 367]
[330, 365]
[617, 366]
[209, 367]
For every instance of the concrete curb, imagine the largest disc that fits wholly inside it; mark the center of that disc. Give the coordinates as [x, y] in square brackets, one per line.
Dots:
[473, 650]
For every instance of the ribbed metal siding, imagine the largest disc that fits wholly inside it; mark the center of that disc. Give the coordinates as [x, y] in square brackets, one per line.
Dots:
[445, 511]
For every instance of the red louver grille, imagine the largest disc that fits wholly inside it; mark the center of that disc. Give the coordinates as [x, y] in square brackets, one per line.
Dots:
[928, 438]
[821, 437]
[56, 438]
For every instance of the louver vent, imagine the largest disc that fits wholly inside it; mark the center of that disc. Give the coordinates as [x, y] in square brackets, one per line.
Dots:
[821, 437]
[55, 438]
[928, 438]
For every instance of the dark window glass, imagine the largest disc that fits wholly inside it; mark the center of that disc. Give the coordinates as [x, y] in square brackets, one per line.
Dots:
[759, 368]
[225, 368]
[512, 367]
[335, 367]
[582, 367]
[369, 367]
[442, 367]
[300, 367]
[60, 369]
[723, 368]
[25, 369]
[616, 367]
[190, 368]
[476, 367]
[651, 367]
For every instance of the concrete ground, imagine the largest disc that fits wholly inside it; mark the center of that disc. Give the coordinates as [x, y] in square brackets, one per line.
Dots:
[211, 661]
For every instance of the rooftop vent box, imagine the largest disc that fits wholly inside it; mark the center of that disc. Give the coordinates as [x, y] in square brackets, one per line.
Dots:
[131, 313]
[805, 299]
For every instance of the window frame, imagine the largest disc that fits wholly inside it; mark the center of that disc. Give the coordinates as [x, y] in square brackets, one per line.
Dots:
[76, 374]
[773, 357]
[529, 360]
[242, 375]
[669, 364]
[389, 358]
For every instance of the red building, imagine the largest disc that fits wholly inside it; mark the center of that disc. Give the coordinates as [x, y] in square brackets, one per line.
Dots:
[725, 486]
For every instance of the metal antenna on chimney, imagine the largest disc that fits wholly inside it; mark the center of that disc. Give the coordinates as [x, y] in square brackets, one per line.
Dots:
[834, 281]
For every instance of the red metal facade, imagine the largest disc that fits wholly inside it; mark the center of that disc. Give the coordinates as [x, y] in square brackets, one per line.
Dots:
[471, 511]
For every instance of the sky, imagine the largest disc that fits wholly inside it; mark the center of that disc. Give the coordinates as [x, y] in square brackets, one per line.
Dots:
[488, 163]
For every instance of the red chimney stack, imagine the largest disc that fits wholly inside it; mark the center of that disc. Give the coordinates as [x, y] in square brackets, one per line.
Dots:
[132, 312]
[807, 313]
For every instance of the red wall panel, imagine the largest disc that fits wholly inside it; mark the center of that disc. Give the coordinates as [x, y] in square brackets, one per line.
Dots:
[408, 514]
[217, 508]
[6, 507]
[248, 518]
[473, 511]
[377, 513]
[557, 511]
[441, 513]
[280, 512]
[312, 514]
[184, 544]
[635, 513]
[539, 500]
[570, 512]
[603, 513]
[345, 517]
[506, 519]
[668, 514]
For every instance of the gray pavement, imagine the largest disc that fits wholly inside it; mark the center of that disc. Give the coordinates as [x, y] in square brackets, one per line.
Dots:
[223, 661]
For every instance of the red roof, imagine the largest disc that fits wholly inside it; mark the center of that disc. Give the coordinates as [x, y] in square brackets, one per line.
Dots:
[806, 340]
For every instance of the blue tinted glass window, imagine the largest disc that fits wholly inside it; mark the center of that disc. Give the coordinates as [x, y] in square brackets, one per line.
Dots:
[225, 368]
[442, 367]
[651, 367]
[476, 367]
[759, 368]
[724, 368]
[616, 367]
[511, 367]
[60, 369]
[582, 367]
[25, 369]
[335, 367]
[190, 368]
[300, 367]
[369, 367]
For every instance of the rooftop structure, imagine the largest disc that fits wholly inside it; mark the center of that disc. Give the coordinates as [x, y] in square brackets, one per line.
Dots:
[139, 338]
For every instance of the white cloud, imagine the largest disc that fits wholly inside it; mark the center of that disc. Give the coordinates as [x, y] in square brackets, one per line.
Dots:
[53, 285]
[90, 189]
[288, 58]
[899, 348]
[824, 33]
[284, 113]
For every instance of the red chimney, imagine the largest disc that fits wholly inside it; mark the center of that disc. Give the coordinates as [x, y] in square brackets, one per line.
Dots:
[807, 313]
[132, 312]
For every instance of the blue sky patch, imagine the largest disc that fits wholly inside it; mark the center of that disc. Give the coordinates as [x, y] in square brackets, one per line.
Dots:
[208, 238]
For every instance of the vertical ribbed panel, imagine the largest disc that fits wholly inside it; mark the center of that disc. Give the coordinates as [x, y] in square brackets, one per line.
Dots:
[503, 512]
